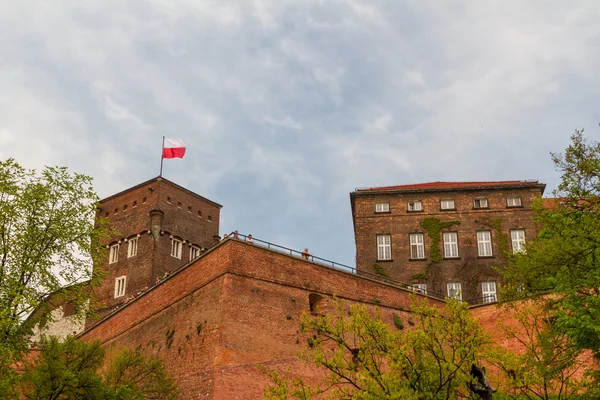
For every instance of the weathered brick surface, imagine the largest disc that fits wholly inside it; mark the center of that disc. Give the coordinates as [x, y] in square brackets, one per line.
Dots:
[469, 270]
[236, 307]
[154, 212]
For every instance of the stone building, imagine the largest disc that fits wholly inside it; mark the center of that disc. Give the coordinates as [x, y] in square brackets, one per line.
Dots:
[443, 238]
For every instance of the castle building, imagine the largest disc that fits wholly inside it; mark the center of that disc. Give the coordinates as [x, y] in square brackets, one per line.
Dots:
[444, 238]
[158, 226]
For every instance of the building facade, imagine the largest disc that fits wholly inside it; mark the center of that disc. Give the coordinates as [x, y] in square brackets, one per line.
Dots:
[444, 238]
[158, 226]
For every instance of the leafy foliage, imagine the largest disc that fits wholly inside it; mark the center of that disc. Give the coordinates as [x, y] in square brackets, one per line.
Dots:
[434, 227]
[75, 370]
[48, 240]
[364, 359]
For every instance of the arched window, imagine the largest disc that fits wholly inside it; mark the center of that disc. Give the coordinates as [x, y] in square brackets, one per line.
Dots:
[316, 302]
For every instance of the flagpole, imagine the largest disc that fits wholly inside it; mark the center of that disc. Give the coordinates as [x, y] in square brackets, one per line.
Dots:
[162, 156]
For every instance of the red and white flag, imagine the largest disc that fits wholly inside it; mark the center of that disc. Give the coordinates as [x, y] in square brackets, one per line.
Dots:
[173, 148]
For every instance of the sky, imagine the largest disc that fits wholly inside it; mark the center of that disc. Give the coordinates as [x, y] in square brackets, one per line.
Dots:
[287, 106]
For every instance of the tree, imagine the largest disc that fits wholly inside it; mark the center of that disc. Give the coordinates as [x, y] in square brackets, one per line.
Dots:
[565, 257]
[364, 359]
[78, 370]
[48, 240]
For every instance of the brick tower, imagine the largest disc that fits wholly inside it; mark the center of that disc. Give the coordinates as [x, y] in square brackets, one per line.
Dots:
[160, 226]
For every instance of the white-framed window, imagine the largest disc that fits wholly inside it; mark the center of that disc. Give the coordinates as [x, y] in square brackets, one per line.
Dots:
[384, 247]
[454, 291]
[194, 252]
[132, 245]
[415, 205]
[517, 237]
[447, 204]
[488, 290]
[420, 288]
[480, 203]
[176, 248]
[513, 201]
[417, 247]
[113, 255]
[120, 286]
[450, 244]
[484, 244]
[382, 207]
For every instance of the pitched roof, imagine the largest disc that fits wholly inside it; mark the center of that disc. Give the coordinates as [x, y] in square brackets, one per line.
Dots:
[450, 185]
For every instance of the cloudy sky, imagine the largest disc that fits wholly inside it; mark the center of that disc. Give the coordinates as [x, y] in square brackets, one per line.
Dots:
[287, 106]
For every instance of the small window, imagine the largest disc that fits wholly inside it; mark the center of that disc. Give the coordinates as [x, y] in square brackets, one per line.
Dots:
[517, 237]
[144, 200]
[315, 302]
[194, 252]
[178, 204]
[125, 208]
[382, 207]
[488, 290]
[384, 247]
[484, 244]
[513, 202]
[134, 204]
[190, 210]
[120, 286]
[450, 244]
[417, 247]
[176, 248]
[447, 204]
[106, 215]
[132, 247]
[480, 203]
[209, 218]
[113, 255]
[199, 214]
[454, 291]
[116, 211]
[420, 288]
[415, 205]
[168, 200]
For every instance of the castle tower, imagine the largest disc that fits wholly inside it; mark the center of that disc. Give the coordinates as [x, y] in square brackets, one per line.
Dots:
[160, 226]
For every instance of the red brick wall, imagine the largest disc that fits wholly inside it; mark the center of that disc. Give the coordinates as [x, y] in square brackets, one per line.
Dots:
[470, 270]
[248, 302]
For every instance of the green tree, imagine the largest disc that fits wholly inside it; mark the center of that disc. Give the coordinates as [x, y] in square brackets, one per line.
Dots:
[48, 240]
[78, 370]
[565, 257]
[364, 359]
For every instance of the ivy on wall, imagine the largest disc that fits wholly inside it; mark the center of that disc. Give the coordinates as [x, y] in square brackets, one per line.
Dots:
[501, 237]
[434, 227]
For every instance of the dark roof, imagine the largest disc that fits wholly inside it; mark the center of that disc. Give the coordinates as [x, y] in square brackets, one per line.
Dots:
[433, 186]
[159, 179]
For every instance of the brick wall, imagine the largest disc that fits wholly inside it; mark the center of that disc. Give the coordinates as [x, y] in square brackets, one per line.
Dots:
[237, 306]
[469, 269]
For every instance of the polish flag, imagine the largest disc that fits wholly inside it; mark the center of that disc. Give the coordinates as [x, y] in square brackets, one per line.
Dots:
[173, 148]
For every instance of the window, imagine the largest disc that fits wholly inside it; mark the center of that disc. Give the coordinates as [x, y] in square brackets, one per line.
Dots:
[189, 209]
[178, 204]
[450, 244]
[194, 252]
[484, 244]
[125, 208]
[132, 247]
[209, 218]
[315, 302]
[120, 286]
[168, 200]
[417, 248]
[199, 214]
[517, 237]
[382, 207]
[384, 247]
[488, 289]
[420, 288]
[415, 205]
[454, 291]
[144, 200]
[480, 203]
[134, 204]
[113, 256]
[447, 204]
[116, 211]
[513, 202]
[68, 310]
[176, 248]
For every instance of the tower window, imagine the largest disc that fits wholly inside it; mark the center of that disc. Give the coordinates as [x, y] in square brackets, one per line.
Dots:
[176, 248]
[113, 255]
[132, 247]
[120, 286]
[194, 252]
